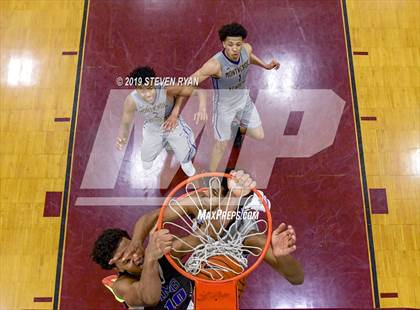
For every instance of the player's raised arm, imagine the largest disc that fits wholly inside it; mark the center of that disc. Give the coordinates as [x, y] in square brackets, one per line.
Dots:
[171, 122]
[210, 69]
[127, 119]
[273, 64]
[278, 256]
[147, 222]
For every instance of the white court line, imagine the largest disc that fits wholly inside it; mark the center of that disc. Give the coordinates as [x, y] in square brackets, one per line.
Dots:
[119, 201]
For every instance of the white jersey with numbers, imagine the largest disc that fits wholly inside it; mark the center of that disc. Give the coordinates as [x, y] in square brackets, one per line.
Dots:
[155, 138]
[231, 97]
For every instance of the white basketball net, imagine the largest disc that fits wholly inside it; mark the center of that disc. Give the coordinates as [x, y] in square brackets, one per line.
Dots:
[221, 226]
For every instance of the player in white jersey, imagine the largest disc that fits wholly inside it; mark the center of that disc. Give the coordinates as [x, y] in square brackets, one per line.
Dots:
[163, 125]
[228, 70]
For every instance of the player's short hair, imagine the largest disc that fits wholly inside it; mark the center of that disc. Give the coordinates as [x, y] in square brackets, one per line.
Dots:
[141, 73]
[232, 30]
[106, 245]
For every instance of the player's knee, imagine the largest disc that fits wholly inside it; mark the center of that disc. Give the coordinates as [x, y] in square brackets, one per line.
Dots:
[258, 134]
[147, 165]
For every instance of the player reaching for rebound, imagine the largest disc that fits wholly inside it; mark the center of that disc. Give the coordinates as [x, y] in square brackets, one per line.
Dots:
[146, 277]
[228, 70]
[162, 123]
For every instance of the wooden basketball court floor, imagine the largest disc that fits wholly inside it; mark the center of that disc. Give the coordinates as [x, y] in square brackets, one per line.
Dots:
[354, 204]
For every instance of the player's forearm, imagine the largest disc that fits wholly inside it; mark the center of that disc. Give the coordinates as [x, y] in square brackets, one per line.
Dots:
[124, 130]
[149, 286]
[286, 265]
[257, 61]
[292, 270]
[146, 222]
[144, 225]
[177, 106]
[202, 102]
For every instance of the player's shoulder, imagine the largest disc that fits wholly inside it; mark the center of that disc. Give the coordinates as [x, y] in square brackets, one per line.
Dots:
[129, 102]
[247, 47]
[122, 285]
[211, 66]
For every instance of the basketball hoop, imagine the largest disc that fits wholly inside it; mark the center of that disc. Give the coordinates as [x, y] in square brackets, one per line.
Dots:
[213, 252]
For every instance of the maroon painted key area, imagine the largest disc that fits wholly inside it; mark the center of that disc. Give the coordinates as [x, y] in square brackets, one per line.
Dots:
[321, 196]
[52, 207]
[293, 123]
[378, 201]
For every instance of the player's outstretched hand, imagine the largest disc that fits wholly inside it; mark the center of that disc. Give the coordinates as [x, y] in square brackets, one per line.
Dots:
[200, 116]
[170, 123]
[283, 240]
[134, 250]
[120, 143]
[274, 64]
[241, 183]
[160, 243]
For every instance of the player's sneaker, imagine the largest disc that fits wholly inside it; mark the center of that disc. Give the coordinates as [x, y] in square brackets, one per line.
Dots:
[188, 169]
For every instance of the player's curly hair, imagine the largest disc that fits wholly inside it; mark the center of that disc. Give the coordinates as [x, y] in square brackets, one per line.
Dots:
[142, 73]
[232, 30]
[106, 245]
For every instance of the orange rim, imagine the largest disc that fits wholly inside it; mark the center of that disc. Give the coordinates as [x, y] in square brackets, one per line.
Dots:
[239, 276]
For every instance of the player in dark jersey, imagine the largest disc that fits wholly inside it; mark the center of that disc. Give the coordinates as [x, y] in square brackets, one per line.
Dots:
[141, 270]
[150, 281]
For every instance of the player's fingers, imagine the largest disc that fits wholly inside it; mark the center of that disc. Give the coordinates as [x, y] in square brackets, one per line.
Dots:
[253, 184]
[166, 250]
[291, 241]
[248, 182]
[239, 174]
[166, 237]
[162, 231]
[116, 257]
[290, 250]
[244, 179]
[153, 229]
[280, 229]
[163, 244]
[291, 230]
[127, 254]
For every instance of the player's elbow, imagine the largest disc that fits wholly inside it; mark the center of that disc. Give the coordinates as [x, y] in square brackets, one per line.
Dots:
[151, 300]
[296, 280]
